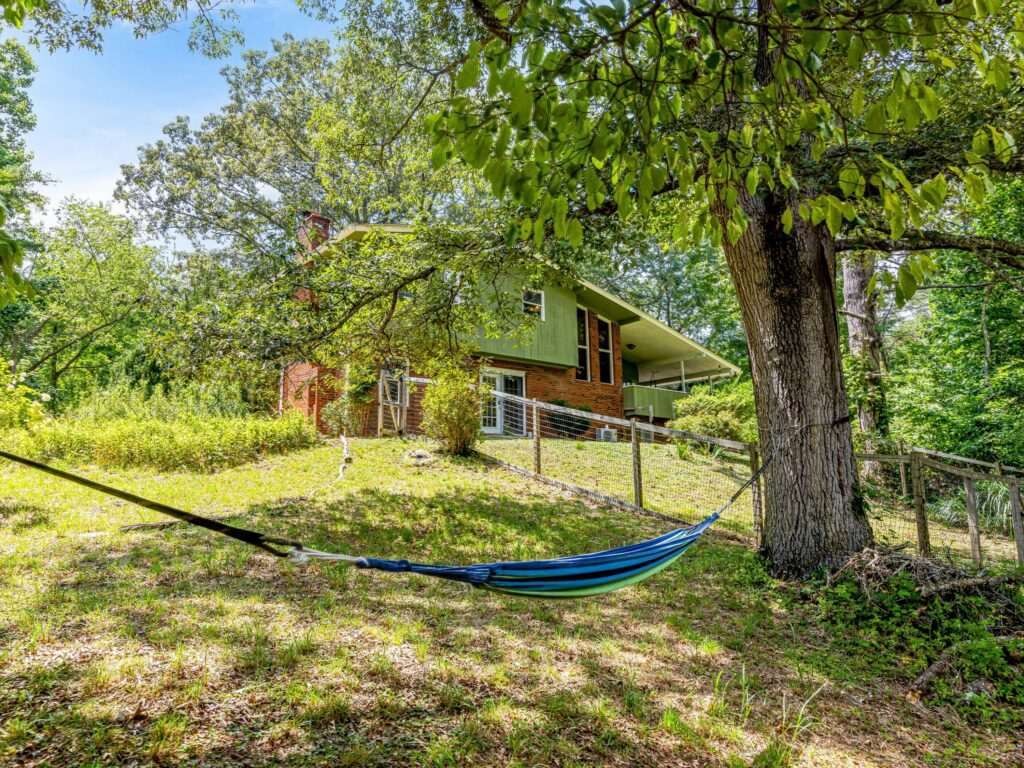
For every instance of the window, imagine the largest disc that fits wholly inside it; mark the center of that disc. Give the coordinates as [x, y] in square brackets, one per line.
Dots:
[396, 390]
[582, 345]
[533, 303]
[606, 367]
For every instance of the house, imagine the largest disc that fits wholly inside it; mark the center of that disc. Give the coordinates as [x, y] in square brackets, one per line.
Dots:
[588, 348]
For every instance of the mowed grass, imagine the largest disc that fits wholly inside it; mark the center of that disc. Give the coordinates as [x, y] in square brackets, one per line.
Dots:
[697, 483]
[180, 647]
[689, 488]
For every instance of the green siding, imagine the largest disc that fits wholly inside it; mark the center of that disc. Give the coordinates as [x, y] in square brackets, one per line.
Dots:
[661, 399]
[551, 342]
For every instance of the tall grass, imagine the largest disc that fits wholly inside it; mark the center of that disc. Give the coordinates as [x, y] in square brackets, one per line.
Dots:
[993, 505]
[200, 428]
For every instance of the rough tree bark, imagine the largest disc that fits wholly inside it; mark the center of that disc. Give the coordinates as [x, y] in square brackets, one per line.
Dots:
[866, 351]
[786, 289]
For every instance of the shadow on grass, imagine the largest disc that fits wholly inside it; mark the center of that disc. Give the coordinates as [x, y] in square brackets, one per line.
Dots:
[366, 668]
[19, 517]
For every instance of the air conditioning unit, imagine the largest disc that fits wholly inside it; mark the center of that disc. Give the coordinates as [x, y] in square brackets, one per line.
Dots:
[606, 434]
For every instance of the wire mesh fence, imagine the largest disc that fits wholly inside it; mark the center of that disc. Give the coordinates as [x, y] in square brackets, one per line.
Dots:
[629, 463]
[949, 506]
[938, 504]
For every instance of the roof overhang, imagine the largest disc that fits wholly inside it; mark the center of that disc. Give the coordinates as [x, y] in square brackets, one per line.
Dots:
[356, 232]
[658, 350]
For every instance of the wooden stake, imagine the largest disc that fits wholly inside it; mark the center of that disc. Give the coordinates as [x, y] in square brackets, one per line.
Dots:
[924, 547]
[973, 531]
[755, 492]
[1015, 512]
[903, 469]
[638, 483]
[536, 440]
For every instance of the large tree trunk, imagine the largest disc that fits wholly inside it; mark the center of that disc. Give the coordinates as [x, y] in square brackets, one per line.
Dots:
[866, 350]
[786, 288]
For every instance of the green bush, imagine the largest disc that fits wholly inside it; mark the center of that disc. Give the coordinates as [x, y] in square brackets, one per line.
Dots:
[20, 405]
[451, 410]
[728, 412]
[203, 443]
[346, 413]
[896, 630]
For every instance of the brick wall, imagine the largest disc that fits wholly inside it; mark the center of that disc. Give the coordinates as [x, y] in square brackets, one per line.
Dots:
[307, 388]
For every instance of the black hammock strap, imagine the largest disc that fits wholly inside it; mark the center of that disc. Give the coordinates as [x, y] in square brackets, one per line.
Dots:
[252, 538]
[266, 543]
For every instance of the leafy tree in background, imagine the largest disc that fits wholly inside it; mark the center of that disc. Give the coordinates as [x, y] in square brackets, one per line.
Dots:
[17, 180]
[95, 284]
[306, 127]
[957, 364]
[797, 132]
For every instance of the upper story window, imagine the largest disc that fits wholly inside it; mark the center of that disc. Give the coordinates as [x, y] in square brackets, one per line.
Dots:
[582, 345]
[606, 366]
[533, 303]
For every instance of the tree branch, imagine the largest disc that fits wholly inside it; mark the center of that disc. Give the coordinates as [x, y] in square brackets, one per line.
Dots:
[1004, 251]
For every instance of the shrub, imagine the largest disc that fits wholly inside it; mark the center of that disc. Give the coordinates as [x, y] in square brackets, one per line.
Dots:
[20, 405]
[122, 399]
[566, 425]
[203, 444]
[336, 416]
[897, 630]
[451, 410]
[347, 412]
[728, 412]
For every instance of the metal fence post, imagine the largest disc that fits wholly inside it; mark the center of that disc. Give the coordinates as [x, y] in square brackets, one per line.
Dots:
[755, 491]
[536, 440]
[638, 483]
[1015, 512]
[973, 531]
[924, 547]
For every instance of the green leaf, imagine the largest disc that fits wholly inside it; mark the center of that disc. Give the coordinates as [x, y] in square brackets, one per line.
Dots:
[787, 220]
[469, 74]
[575, 233]
[753, 177]
[907, 283]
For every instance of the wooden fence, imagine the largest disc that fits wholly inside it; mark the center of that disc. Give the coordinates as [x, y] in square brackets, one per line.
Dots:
[915, 461]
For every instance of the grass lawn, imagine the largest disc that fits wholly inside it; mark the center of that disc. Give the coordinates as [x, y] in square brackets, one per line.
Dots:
[180, 647]
[693, 487]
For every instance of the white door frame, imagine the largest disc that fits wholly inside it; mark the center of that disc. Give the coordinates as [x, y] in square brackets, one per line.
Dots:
[499, 414]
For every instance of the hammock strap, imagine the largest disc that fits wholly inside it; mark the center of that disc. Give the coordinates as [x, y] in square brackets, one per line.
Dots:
[241, 534]
[296, 552]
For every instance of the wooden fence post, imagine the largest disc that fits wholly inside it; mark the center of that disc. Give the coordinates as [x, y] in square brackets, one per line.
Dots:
[973, 530]
[380, 404]
[1015, 513]
[536, 440]
[638, 483]
[924, 547]
[755, 492]
[901, 452]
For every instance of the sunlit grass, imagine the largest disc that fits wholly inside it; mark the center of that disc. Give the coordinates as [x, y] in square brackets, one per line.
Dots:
[176, 646]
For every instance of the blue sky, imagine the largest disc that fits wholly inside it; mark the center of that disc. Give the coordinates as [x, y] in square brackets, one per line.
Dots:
[94, 110]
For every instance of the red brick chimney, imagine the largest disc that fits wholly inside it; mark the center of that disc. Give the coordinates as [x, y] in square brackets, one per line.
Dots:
[313, 230]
